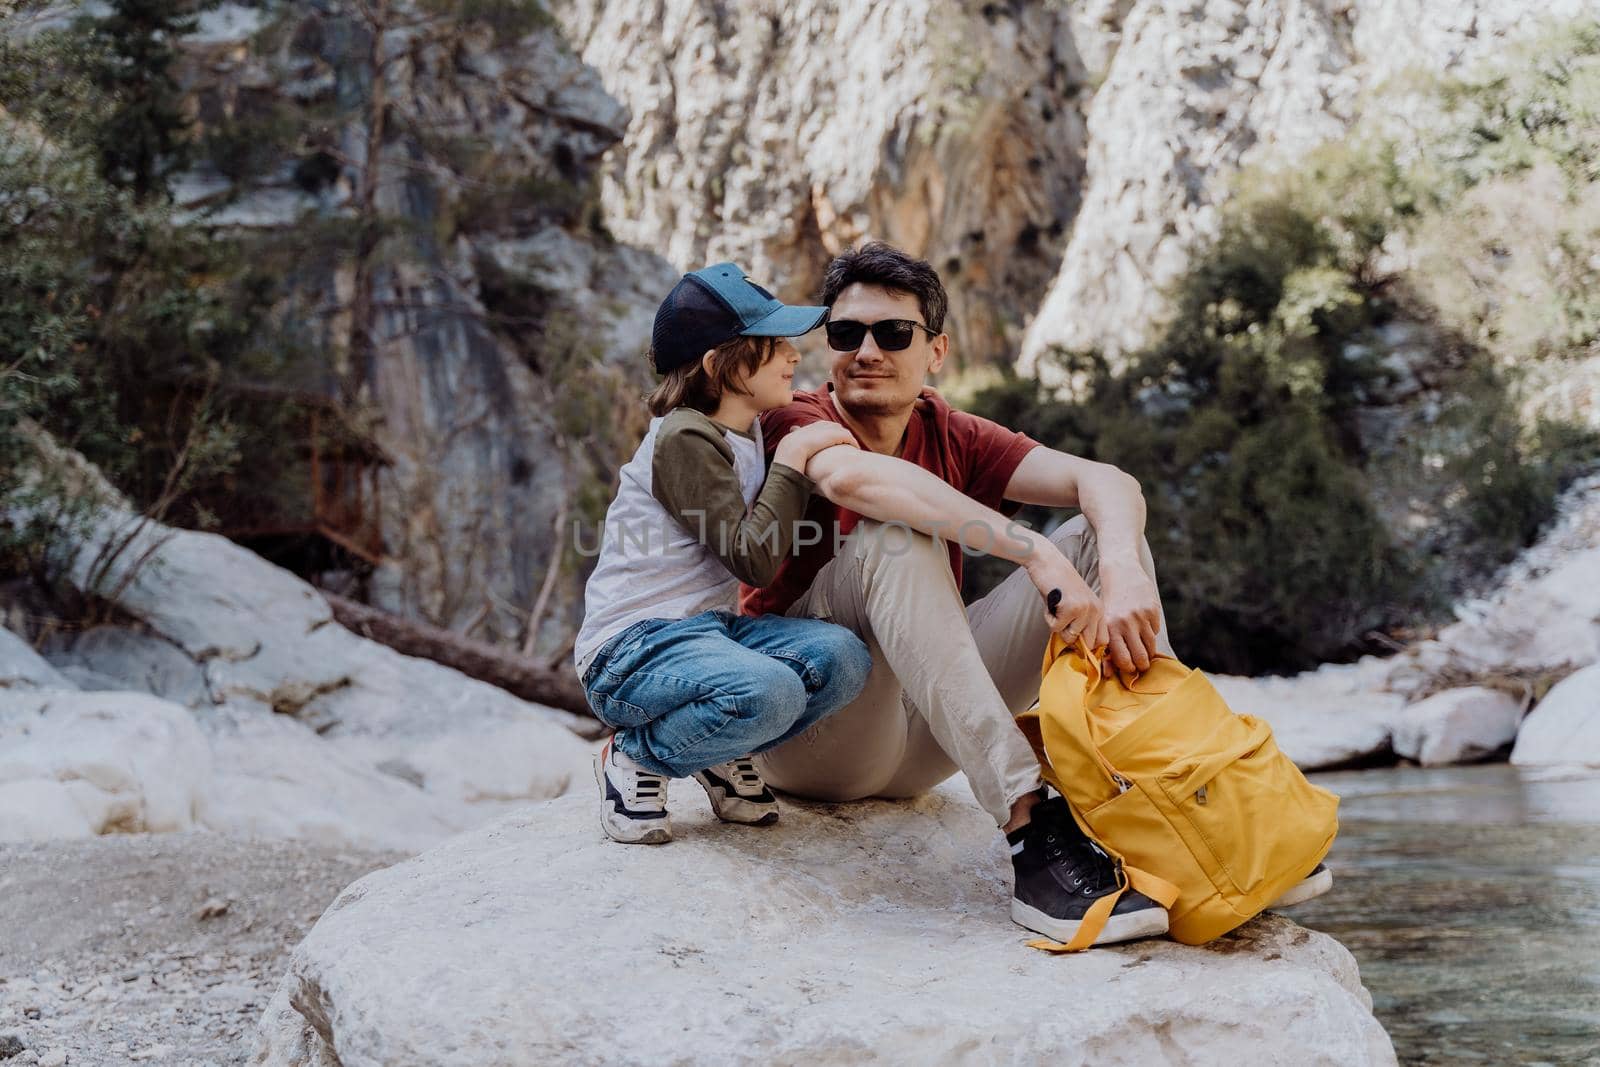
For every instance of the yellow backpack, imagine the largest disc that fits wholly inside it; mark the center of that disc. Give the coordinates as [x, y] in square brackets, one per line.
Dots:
[1164, 776]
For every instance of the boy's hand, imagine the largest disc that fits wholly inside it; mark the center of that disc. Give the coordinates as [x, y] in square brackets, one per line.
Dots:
[798, 446]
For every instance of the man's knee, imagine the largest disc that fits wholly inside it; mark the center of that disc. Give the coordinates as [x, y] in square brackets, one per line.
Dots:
[1075, 530]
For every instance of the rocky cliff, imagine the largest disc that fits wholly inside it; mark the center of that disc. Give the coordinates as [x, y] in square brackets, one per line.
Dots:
[433, 170]
[778, 134]
[1057, 162]
[1198, 88]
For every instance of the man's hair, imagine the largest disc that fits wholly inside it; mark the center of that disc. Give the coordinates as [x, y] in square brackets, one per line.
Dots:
[690, 384]
[885, 266]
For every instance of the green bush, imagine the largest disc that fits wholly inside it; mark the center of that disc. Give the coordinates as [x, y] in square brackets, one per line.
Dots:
[1286, 528]
[1242, 422]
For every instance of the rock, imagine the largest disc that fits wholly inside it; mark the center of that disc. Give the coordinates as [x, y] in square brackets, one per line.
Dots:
[1541, 619]
[266, 649]
[127, 659]
[23, 668]
[40, 809]
[213, 908]
[1196, 89]
[125, 761]
[10, 1045]
[54, 1058]
[951, 130]
[1457, 726]
[505, 946]
[493, 136]
[277, 778]
[1564, 727]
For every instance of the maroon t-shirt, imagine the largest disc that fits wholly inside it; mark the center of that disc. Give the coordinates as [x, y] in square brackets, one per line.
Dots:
[972, 453]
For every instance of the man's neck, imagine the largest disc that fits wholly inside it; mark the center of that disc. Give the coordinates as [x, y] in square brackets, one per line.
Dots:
[884, 434]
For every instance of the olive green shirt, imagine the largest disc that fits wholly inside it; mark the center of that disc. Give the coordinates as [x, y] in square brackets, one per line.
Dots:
[693, 477]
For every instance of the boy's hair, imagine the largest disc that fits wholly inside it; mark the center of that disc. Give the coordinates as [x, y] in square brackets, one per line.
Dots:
[885, 266]
[690, 385]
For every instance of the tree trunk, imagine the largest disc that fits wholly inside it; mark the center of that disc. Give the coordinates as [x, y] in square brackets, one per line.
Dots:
[556, 687]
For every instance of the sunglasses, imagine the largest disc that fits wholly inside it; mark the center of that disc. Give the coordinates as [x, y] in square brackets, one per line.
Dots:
[892, 335]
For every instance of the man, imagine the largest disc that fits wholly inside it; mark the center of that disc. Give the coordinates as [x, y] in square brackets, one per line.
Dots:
[947, 679]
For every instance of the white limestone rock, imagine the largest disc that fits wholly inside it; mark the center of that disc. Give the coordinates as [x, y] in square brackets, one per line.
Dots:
[126, 762]
[314, 731]
[1197, 89]
[870, 932]
[1564, 728]
[23, 668]
[115, 657]
[778, 136]
[276, 778]
[265, 638]
[1457, 726]
[1541, 617]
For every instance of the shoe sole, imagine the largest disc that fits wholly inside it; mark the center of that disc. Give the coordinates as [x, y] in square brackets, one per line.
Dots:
[656, 835]
[736, 809]
[1130, 926]
[1314, 886]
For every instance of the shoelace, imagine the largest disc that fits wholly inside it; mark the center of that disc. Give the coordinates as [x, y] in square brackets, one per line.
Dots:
[647, 789]
[650, 789]
[1094, 871]
[745, 777]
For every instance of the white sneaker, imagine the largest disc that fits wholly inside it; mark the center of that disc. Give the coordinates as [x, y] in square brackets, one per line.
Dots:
[633, 801]
[738, 793]
[1318, 882]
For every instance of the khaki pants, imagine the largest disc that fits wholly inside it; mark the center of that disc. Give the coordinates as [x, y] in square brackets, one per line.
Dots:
[946, 680]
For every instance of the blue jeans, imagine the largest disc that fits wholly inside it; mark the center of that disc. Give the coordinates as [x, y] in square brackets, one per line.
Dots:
[687, 694]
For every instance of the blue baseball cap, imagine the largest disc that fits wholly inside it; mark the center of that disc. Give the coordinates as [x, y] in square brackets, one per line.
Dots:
[714, 305]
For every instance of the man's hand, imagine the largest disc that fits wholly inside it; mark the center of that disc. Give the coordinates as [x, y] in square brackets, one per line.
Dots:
[1078, 611]
[1132, 615]
[799, 445]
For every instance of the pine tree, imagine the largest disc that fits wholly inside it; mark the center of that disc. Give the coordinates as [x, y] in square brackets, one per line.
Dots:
[144, 138]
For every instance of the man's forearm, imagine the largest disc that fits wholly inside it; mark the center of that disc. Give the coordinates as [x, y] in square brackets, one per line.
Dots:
[1113, 502]
[892, 490]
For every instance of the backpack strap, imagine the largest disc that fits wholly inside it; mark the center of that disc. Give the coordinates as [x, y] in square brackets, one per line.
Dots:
[1094, 920]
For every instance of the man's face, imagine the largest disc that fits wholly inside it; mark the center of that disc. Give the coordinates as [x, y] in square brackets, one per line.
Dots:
[869, 381]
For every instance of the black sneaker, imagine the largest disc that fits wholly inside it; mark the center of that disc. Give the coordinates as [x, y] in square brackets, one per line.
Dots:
[1061, 873]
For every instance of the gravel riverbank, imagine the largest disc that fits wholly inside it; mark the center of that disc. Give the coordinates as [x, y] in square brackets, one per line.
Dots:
[154, 948]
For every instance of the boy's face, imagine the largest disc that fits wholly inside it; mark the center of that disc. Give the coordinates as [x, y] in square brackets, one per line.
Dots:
[772, 384]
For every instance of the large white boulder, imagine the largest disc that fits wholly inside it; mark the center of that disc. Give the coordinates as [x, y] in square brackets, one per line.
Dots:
[875, 932]
[313, 731]
[74, 764]
[1457, 726]
[276, 778]
[116, 657]
[1564, 727]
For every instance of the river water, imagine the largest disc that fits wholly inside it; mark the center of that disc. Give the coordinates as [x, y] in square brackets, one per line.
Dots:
[1471, 898]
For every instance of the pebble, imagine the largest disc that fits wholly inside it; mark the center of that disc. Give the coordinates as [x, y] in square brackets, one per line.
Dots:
[56, 1057]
